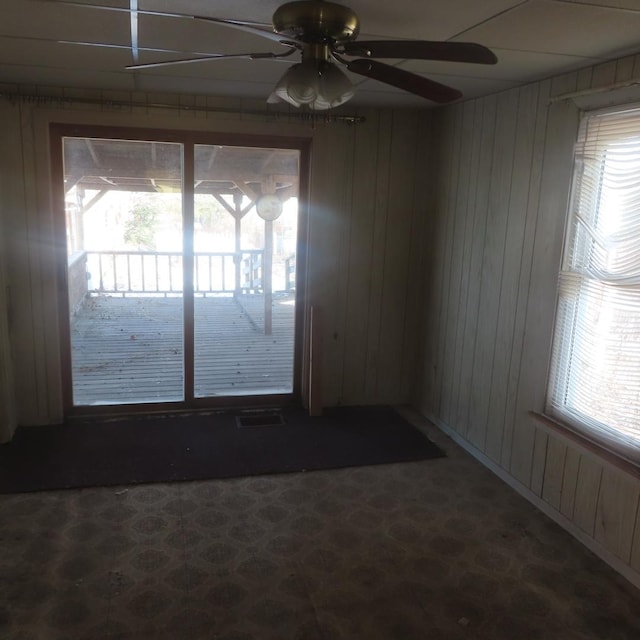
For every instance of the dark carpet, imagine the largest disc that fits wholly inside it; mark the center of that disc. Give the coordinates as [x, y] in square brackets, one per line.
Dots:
[200, 446]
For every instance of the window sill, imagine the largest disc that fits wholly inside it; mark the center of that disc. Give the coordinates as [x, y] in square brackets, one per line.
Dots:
[585, 445]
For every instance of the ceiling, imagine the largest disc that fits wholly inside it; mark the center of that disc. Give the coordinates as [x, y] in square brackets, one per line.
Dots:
[142, 166]
[532, 39]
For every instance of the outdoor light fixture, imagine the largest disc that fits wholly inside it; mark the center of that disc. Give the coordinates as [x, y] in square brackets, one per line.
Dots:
[315, 83]
[269, 207]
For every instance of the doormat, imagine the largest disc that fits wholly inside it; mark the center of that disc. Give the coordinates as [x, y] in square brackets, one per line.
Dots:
[95, 452]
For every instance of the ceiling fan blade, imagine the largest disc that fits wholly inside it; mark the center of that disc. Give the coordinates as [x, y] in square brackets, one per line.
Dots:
[405, 80]
[422, 50]
[211, 56]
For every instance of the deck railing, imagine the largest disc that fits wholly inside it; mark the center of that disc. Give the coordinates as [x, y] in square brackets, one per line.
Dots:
[290, 273]
[160, 272]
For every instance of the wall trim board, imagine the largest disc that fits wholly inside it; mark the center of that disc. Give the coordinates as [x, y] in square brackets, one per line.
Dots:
[604, 554]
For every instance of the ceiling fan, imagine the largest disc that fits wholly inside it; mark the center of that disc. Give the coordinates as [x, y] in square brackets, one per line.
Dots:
[325, 33]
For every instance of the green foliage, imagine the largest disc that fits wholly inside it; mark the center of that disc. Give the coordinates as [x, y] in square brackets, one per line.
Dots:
[210, 214]
[140, 226]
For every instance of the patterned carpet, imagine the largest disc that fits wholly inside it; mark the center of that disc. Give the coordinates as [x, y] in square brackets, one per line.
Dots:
[430, 550]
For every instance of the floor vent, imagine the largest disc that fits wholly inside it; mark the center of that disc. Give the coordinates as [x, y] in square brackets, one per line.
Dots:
[262, 419]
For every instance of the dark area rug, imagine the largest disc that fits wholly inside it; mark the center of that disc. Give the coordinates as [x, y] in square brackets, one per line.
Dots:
[205, 445]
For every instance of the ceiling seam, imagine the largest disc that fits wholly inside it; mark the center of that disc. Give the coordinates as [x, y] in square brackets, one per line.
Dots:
[607, 7]
[490, 18]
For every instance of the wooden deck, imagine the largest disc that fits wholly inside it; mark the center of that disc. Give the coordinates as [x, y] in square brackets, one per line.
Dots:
[129, 350]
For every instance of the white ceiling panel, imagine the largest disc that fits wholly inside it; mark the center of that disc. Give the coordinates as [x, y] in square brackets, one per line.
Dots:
[561, 28]
[629, 5]
[423, 19]
[68, 56]
[62, 22]
[532, 39]
[194, 35]
[257, 11]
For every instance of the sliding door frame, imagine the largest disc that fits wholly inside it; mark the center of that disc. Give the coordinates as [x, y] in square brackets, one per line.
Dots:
[188, 139]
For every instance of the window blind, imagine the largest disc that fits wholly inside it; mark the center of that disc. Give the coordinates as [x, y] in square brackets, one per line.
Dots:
[594, 383]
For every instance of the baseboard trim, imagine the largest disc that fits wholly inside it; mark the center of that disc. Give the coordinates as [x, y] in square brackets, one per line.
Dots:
[613, 561]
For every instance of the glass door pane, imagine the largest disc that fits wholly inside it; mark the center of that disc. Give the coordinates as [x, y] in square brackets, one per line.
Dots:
[244, 269]
[124, 235]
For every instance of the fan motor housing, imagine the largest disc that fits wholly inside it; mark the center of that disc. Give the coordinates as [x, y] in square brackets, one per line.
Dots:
[315, 21]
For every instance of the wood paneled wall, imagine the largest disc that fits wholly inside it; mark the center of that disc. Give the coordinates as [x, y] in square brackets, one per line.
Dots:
[364, 256]
[497, 225]
[7, 402]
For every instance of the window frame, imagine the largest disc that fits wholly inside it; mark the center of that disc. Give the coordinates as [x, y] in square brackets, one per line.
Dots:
[583, 427]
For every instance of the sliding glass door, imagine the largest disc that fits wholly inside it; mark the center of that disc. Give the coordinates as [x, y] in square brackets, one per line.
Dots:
[244, 269]
[180, 269]
[124, 225]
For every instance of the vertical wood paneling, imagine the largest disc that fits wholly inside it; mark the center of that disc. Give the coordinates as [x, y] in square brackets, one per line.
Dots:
[413, 342]
[320, 250]
[458, 274]
[486, 112]
[453, 258]
[587, 490]
[554, 472]
[365, 160]
[635, 548]
[604, 74]
[379, 224]
[435, 240]
[336, 225]
[464, 319]
[492, 264]
[636, 66]
[616, 513]
[450, 161]
[511, 266]
[365, 208]
[396, 256]
[624, 69]
[7, 404]
[21, 268]
[562, 122]
[584, 79]
[50, 255]
[436, 235]
[539, 461]
[569, 482]
[532, 211]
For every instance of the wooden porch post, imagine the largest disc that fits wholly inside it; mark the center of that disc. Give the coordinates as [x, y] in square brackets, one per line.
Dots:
[267, 277]
[237, 216]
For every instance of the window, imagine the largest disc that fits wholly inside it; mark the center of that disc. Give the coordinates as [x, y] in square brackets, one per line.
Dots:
[594, 384]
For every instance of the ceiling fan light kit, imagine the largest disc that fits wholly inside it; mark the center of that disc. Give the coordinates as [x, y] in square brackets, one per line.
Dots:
[315, 83]
[325, 34]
